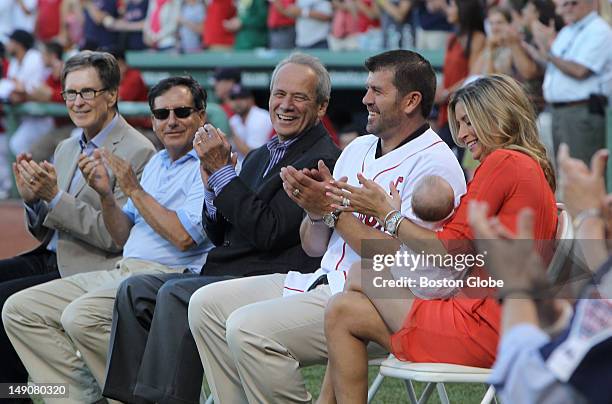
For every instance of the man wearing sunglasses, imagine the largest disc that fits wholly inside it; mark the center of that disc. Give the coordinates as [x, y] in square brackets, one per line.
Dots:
[578, 78]
[62, 211]
[255, 228]
[159, 228]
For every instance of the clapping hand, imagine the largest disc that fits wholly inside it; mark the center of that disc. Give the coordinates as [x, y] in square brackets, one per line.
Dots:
[370, 199]
[95, 172]
[511, 258]
[34, 180]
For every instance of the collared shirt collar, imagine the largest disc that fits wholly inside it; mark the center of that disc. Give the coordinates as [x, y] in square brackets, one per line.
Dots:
[275, 143]
[167, 161]
[408, 138]
[99, 139]
[585, 20]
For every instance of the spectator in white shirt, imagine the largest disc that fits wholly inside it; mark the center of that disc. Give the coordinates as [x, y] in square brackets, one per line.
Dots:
[24, 14]
[578, 78]
[26, 73]
[251, 125]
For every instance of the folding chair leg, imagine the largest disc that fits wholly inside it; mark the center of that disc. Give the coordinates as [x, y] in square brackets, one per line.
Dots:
[410, 391]
[427, 393]
[489, 396]
[374, 387]
[442, 393]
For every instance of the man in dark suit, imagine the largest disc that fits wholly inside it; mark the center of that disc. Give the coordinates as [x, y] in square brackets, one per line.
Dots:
[253, 224]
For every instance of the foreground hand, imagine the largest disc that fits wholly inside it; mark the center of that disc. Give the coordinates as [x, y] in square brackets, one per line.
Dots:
[510, 258]
[95, 173]
[307, 188]
[582, 188]
[126, 178]
[41, 178]
[212, 148]
[370, 199]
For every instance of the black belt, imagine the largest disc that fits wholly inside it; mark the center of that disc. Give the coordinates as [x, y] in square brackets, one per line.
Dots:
[569, 103]
[321, 280]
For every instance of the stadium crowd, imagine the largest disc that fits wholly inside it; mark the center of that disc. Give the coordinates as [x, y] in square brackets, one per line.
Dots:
[234, 244]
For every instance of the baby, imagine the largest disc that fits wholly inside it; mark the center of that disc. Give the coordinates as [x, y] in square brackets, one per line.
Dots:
[433, 199]
[433, 202]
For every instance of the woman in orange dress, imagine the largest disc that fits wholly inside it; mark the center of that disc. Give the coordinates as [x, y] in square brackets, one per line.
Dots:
[493, 118]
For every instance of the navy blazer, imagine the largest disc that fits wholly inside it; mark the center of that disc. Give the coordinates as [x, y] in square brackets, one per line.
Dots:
[257, 226]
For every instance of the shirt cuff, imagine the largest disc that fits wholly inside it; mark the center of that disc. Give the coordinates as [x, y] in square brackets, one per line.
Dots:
[33, 209]
[209, 197]
[220, 178]
[518, 341]
[55, 200]
[194, 229]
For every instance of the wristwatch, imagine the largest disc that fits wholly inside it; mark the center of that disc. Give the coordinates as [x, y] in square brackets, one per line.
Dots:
[331, 218]
[314, 221]
[392, 223]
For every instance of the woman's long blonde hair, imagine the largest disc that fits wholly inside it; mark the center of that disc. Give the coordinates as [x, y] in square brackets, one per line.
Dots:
[503, 118]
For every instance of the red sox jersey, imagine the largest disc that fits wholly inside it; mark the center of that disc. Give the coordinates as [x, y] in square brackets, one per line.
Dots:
[405, 166]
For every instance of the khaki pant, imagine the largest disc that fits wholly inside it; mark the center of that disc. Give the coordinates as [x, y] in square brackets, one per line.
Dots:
[47, 324]
[252, 341]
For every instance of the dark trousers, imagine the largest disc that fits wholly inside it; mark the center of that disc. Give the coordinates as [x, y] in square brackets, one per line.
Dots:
[152, 354]
[16, 274]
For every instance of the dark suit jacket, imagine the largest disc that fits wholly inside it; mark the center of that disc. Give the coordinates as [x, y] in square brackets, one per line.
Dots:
[257, 226]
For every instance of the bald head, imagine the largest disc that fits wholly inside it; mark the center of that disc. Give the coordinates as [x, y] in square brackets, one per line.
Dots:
[433, 199]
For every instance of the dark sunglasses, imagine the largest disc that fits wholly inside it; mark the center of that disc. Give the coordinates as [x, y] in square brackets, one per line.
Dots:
[180, 112]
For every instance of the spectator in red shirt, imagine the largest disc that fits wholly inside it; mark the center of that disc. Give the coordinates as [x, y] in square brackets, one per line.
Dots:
[48, 19]
[4, 62]
[215, 34]
[133, 88]
[281, 29]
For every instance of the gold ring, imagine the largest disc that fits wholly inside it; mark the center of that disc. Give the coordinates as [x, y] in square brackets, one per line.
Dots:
[296, 192]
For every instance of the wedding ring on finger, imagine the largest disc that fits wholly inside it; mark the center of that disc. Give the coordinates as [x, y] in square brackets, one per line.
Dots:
[31, 180]
[296, 192]
[346, 202]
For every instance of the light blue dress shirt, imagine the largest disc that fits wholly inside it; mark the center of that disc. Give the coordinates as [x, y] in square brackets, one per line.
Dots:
[588, 43]
[177, 186]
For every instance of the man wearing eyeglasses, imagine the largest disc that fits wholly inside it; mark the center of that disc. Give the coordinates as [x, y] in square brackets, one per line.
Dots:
[160, 231]
[578, 78]
[62, 212]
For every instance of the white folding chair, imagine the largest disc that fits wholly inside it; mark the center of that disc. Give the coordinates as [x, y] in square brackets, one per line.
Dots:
[436, 374]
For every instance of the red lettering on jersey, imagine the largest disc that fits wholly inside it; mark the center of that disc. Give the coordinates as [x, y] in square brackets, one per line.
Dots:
[398, 181]
[370, 221]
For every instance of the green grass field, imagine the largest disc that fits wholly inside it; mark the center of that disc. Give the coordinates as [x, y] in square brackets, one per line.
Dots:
[392, 391]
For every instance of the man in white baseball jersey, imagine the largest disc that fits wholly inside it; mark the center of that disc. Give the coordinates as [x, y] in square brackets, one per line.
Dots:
[254, 334]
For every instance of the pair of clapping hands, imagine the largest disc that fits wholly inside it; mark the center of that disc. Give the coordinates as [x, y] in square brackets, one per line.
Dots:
[95, 171]
[318, 193]
[213, 149]
[34, 181]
